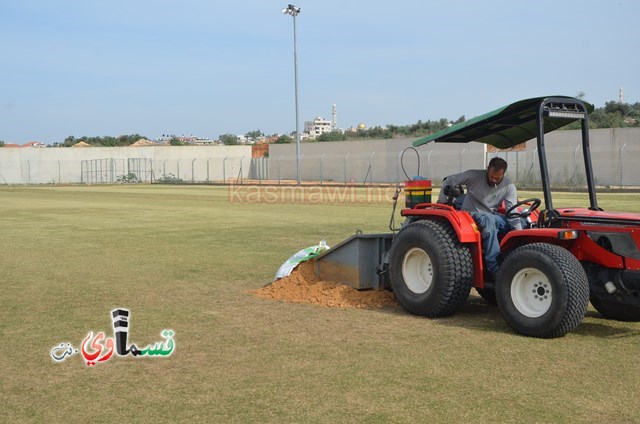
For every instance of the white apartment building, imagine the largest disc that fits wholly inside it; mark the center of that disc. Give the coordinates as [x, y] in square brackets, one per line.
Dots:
[317, 127]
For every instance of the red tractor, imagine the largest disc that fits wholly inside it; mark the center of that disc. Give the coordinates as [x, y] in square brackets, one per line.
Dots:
[550, 270]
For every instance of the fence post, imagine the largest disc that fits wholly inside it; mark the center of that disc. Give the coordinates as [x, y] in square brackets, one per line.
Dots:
[575, 170]
[369, 171]
[621, 150]
[345, 167]
[533, 164]
[279, 177]
[224, 170]
[461, 154]
[193, 174]
[208, 169]
[321, 161]
[301, 156]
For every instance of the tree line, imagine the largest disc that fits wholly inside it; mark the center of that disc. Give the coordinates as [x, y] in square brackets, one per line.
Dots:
[612, 115]
[106, 141]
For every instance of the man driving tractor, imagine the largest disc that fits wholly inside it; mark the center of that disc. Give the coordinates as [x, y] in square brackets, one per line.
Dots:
[486, 190]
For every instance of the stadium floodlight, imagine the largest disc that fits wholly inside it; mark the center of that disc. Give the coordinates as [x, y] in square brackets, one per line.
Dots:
[291, 10]
[294, 11]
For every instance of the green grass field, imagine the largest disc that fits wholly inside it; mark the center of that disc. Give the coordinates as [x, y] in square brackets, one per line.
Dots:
[185, 258]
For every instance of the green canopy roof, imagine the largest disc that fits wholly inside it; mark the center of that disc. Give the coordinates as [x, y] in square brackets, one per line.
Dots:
[503, 128]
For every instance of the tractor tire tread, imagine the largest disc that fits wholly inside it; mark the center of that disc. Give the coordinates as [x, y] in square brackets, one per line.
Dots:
[577, 286]
[457, 268]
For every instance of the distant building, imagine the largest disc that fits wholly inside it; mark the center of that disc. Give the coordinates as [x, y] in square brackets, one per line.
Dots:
[192, 140]
[29, 144]
[317, 127]
[361, 126]
[204, 142]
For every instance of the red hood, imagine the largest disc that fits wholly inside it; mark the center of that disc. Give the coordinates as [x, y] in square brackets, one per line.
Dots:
[584, 212]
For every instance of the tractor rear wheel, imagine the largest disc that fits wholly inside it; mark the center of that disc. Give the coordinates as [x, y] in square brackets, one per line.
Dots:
[612, 309]
[430, 270]
[543, 290]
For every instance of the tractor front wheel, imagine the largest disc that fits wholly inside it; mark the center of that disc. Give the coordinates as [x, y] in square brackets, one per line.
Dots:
[542, 291]
[430, 270]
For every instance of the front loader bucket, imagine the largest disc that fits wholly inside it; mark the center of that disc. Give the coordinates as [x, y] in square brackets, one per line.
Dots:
[359, 261]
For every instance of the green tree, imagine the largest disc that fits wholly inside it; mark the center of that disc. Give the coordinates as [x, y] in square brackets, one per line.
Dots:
[254, 134]
[613, 115]
[175, 141]
[283, 139]
[459, 120]
[621, 109]
[332, 136]
[229, 139]
[107, 140]
[1, 143]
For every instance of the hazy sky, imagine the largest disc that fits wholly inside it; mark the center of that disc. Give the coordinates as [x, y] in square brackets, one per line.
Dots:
[207, 67]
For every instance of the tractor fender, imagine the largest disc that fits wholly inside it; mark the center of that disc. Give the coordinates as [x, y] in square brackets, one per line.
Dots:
[514, 239]
[462, 223]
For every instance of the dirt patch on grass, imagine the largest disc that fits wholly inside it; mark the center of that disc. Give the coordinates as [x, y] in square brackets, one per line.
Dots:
[304, 286]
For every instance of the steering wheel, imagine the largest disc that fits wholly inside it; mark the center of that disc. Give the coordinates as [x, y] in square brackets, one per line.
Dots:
[513, 213]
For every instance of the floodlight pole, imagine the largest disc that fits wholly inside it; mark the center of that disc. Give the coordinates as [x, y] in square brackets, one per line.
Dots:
[294, 11]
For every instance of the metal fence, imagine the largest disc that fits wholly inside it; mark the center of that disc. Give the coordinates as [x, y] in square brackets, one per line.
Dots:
[613, 155]
[109, 171]
[369, 168]
[146, 170]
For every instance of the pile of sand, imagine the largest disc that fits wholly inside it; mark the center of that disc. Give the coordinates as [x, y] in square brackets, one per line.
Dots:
[304, 286]
[142, 142]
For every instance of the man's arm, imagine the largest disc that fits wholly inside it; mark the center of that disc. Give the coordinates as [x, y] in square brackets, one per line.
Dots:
[448, 183]
[453, 180]
[510, 200]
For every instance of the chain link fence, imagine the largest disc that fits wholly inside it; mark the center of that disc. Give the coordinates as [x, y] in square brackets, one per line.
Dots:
[613, 154]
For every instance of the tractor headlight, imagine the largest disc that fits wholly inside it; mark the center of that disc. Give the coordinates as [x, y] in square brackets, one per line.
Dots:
[568, 234]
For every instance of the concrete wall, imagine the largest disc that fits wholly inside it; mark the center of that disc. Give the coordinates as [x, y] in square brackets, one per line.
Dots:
[614, 155]
[613, 152]
[372, 160]
[75, 165]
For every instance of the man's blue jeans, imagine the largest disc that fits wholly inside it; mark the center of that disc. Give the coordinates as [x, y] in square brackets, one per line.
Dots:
[491, 225]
